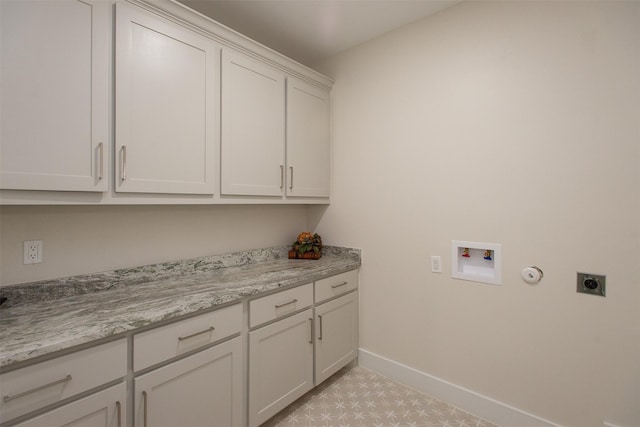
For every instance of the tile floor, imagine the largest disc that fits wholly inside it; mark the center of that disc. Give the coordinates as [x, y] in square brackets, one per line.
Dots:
[358, 397]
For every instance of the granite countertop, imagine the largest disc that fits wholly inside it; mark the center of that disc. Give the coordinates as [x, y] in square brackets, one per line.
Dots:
[44, 317]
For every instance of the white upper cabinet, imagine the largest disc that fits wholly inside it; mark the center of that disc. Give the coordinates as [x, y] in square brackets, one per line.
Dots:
[146, 102]
[308, 140]
[253, 114]
[257, 134]
[54, 95]
[166, 106]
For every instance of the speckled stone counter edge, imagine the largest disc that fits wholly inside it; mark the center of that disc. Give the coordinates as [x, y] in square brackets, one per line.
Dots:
[53, 289]
[140, 297]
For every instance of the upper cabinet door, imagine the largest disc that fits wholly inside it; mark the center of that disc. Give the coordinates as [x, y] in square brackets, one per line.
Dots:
[308, 140]
[54, 95]
[166, 109]
[253, 127]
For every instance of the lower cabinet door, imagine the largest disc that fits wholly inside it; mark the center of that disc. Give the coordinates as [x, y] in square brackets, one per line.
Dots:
[105, 408]
[204, 389]
[336, 335]
[280, 365]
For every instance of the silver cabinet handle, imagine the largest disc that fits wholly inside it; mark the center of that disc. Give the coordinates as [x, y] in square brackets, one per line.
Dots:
[293, 301]
[339, 284]
[310, 330]
[291, 182]
[196, 334]
[123, 164]
[9, 398]
[320, 334]
[144, 409]
[101, 161]
[281, 176]
[119, 410]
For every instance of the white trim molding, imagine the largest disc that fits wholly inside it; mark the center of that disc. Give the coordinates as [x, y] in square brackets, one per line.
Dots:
[460, 397]
[187, 17]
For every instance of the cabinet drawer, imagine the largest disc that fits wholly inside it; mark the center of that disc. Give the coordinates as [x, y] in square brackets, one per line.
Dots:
[107, 408]
[160, 344]
[336, 285]
[271, 307]
[27, 389]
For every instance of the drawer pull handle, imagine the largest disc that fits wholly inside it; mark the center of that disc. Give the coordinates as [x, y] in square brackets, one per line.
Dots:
[293, 301]
[9, 398]
[119, 410]
[196, 334]
[320, 334]
[339, 284]
[144, 409]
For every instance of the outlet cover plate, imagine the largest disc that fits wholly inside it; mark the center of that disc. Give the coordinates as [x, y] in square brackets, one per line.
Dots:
[593, 284]
[32, 251]
[436, 264]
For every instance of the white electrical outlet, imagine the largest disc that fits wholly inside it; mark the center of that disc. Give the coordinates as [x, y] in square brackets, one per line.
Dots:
[436, 264]
[32, 251]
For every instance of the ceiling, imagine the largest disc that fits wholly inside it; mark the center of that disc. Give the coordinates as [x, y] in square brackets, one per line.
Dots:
[310, 31]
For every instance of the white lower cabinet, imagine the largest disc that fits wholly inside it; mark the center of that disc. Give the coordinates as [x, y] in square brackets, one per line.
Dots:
[204, 389]
[290, 356]
[194, 372]
[280, 365]
[336, 335]
[54, 381]
[106, 408]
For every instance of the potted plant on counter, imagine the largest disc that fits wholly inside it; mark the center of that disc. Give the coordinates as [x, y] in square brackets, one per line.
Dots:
[307, 246]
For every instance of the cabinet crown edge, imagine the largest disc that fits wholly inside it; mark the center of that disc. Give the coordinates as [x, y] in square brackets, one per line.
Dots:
[196, 21]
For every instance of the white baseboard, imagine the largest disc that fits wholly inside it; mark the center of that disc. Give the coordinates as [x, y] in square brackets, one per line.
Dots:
[460, 397]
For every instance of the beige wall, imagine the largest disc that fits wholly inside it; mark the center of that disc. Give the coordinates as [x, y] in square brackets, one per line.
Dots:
[86, 239]
[506, 122]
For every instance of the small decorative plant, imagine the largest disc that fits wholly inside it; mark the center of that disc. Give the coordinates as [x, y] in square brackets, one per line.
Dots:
[307, 246]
